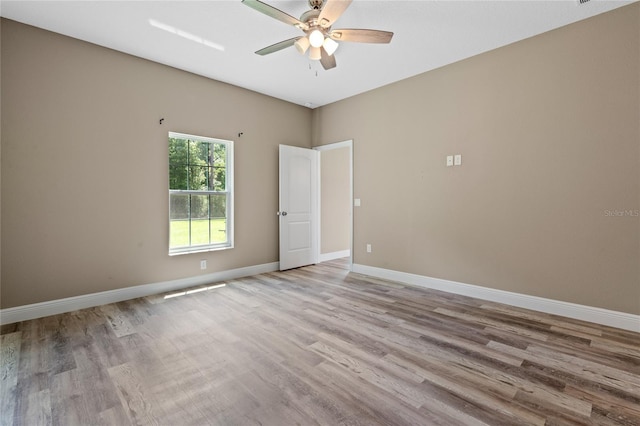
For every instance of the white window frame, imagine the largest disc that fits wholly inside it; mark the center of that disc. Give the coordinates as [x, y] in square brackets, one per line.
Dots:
[228, 192]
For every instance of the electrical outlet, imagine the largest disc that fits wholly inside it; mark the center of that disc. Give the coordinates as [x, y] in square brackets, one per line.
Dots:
[368, 248]
[457, 160]
[203, 264]
[449, 160]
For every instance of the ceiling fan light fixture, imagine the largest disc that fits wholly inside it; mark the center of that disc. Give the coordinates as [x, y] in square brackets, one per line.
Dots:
[330, 46]
[302, 44]
[316, 38]
[314, 53]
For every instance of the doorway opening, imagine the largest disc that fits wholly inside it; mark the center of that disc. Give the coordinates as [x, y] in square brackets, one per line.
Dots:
[335, 200]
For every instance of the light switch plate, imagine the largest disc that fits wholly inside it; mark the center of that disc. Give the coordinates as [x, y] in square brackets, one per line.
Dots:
[457, 160]
[449, 160]
[356, 202]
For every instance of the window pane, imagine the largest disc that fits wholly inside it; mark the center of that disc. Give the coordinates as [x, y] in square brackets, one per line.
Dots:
[177, 151]
[198, 178]
[199, 232]
[219, 179]
[219, 154]
[199, 219]
[178, 220]
[218, 214]
[199, 152]
[219, 164]
[199, 207]
[179, 207]
[218, 231]
[218, 206]
[178, 160]
[178, 177]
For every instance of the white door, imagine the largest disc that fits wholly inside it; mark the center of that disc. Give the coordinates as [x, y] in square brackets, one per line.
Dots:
[298, 207]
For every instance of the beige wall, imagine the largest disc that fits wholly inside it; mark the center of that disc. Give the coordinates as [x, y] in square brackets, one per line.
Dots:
[550, 137]
[548, 129]
[84, 166]
[335, 213]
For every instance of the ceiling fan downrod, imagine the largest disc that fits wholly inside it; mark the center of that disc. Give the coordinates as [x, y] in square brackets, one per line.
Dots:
[316, 4]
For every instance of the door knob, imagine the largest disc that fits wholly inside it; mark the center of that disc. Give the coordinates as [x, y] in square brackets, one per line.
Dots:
[283, 213]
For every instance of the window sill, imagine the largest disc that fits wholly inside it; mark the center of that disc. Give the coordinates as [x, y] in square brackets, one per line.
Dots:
[193, 250]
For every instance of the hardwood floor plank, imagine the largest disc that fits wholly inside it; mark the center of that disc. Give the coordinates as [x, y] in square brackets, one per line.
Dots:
[402, 385]
[460, 409]
[606, 406]
[534, 317]
[134, 397]
[632, 351]
[623, 380]
[305, 399]
[493, 324]
[99, 390]
[113, 416]
[479, 396]
[9, 363]
[118, 322]
[67, 398]
[467, 348]
[38, 409]
[273, 404]
[579, 369]
[378, 402]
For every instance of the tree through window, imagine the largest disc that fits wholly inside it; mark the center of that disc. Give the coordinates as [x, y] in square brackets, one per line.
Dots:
[200, 193]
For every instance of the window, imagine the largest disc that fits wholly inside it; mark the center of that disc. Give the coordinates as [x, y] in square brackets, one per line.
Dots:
[200, 194]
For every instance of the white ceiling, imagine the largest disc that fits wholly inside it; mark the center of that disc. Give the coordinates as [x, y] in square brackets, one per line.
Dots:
[428, 35]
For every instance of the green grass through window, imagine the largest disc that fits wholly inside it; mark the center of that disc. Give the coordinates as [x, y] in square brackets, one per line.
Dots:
[179, 232]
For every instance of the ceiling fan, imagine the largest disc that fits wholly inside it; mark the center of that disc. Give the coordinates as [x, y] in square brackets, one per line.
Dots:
[320, 40]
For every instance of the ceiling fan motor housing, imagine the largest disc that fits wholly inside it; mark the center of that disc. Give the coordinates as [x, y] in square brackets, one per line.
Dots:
[310, 17]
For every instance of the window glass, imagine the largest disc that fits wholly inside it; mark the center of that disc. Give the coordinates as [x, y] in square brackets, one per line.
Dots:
[200, 193]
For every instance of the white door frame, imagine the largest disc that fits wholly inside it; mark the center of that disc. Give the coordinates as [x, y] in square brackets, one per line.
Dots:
[337, 145]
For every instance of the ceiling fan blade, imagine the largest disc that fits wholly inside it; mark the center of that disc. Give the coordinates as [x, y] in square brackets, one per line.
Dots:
[327, 61]
[275, 13]
[361, 36]
[331, 11]
[278, 46]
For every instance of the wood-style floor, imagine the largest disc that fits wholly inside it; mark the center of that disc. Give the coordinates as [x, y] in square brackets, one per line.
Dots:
[317, 345]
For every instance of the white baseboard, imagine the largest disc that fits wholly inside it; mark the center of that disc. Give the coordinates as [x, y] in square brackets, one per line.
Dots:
[616, 319]
[325, 257]
[54, 307]
[571, 310]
